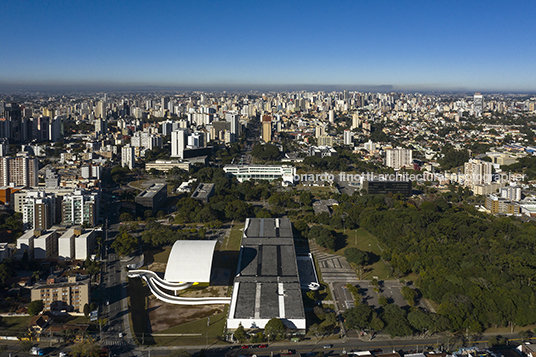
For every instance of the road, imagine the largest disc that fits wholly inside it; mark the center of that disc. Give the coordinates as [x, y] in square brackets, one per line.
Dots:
[385, 345]
[116, 332]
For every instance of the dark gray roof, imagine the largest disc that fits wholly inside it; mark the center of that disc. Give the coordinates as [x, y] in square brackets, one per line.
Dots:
[267, 269]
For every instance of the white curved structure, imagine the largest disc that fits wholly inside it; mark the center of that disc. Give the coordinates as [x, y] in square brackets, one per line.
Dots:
[188, 262]
[148, 274]
[154, 281]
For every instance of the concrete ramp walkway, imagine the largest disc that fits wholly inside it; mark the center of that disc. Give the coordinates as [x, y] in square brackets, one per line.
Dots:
[155, 283]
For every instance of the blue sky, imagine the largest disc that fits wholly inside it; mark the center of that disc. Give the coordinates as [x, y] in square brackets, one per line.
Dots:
[474, 45]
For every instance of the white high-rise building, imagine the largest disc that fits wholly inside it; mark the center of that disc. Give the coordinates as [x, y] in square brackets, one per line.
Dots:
[370, 146]
[331, 116]
[128, 157]
[348, 136]
[46, 245]
[356, 121]
[80, 208]
[66, 246]
[398, 158]
[178, 142]
[84, 245]
[478, 104]
[511, 193]
[477, 172]
[39, 210]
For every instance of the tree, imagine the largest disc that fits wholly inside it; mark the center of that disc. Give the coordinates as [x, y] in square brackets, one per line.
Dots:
[358, 317]
[240, 334]
[6, 272]
[382, 300]
[525, 335]
[323, 236]
[124, 244]
[356, 256]
[409, 294]
[257, 338]
[265, 152]
[376, 323]
[35, 307]
[317, 330]
[87, 310]
[397, 323]
[275, 328]
[85, 349]
[306, 198]
[126, 217]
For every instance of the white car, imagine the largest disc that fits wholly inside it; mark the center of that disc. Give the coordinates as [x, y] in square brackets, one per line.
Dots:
[121, 334]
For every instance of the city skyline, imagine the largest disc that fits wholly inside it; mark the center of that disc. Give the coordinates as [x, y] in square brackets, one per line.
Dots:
[455, 46]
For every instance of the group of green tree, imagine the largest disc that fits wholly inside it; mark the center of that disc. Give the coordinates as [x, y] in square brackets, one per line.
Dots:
[452, 157]
[11, 225]
[525, 165]
[266, 152]
[346, 161]
[477, 268]
[273, 330]
[229, 200]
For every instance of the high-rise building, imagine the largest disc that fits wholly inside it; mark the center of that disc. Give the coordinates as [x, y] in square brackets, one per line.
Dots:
[101, 126]
[233, 119]
[478, 104]
[320, 131]
[511, 193]
[369, 146]
[39, 210]
[55, 129]
[348, 136]
[80, 208]
[4, 146]
[332, 116]
[13, 113]
[477, 172]
[128, 157]
[356, 121]
[19, 171]
[45, 244]
[398, 158]
[101, 110]
[178, 142]
[325, 140]
[267, 128]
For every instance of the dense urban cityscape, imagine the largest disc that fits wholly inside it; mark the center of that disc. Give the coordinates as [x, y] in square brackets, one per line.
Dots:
[335, 210]
[267, 178]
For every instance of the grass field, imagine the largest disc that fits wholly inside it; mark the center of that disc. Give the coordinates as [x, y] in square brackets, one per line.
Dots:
[138, 292]
[215, 332]
[14, 326]
[138, 184]
[235, 238]
[363, 240]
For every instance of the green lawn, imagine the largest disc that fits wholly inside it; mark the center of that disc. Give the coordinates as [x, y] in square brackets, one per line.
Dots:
[235, 238]
[156, 255]
[363, 240]
[163, 256]
[138, 184]
[215, 331]
[138, 292]
[14, 326]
